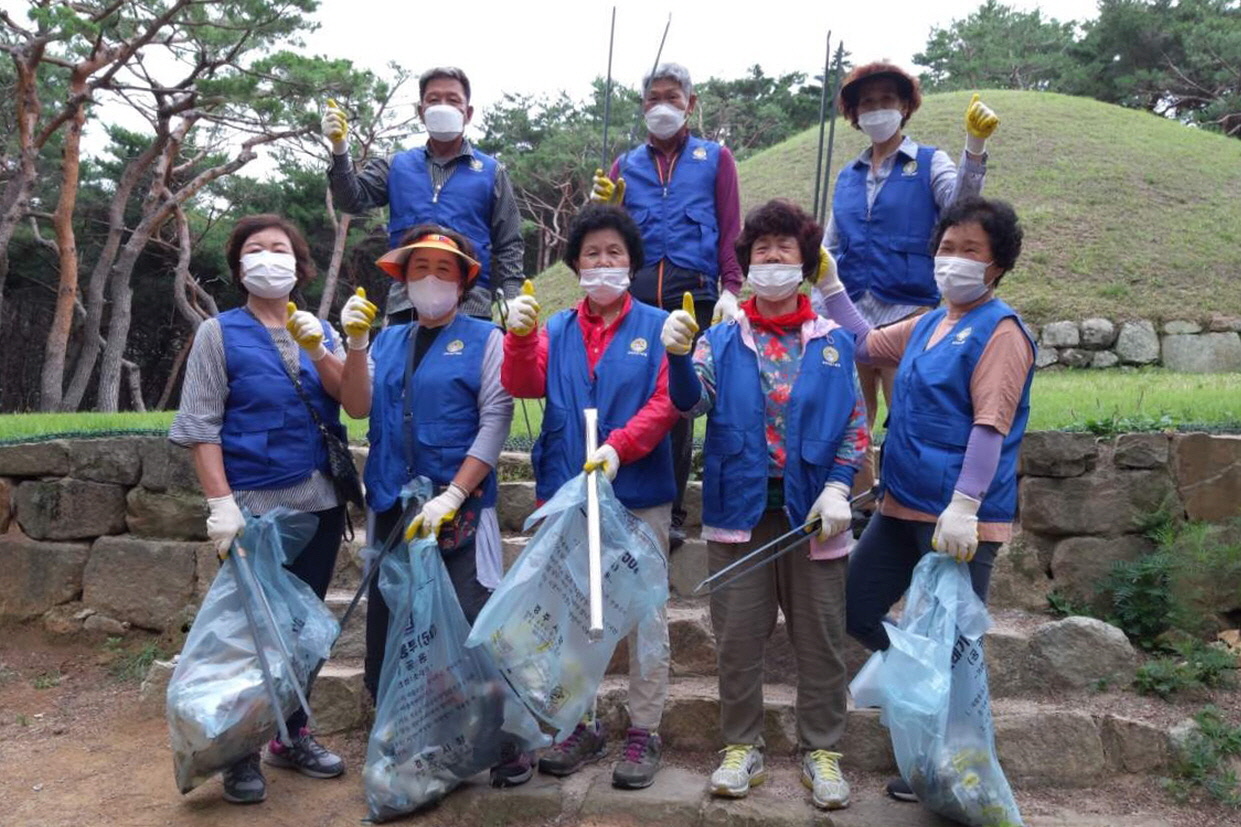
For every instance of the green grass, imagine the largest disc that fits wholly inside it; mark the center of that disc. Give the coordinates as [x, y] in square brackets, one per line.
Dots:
[1126, 214]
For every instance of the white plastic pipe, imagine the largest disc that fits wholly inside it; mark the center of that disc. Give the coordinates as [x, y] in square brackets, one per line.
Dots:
[594, 542]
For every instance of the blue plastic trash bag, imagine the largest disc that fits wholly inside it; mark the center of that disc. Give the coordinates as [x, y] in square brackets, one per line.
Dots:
[537, 621]
[443, 713]
[931, 685]
[219, 709]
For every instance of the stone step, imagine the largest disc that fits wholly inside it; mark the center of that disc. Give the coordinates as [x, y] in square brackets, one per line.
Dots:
[351, 645]
[1040, 743]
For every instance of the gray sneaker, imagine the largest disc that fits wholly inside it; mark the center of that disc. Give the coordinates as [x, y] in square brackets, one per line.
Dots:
[306, 755]
[639, 760]
[585, 745]
[244, 782]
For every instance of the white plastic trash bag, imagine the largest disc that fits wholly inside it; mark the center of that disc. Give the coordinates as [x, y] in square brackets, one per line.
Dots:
[443, 712]
[931, 685]
[219, 709]
[537, 621]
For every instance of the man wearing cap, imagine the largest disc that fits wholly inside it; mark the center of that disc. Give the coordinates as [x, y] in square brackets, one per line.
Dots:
[885, 206]
[682, 191]
[447, 182]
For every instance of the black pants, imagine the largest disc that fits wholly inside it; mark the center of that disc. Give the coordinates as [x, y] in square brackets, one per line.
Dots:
[462, 571]
[683, 430]
[315, 566]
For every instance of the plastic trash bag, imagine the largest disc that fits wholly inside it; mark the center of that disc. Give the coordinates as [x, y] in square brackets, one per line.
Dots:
[931, 686]
[537, 621]
[443, 713]
[219, 709]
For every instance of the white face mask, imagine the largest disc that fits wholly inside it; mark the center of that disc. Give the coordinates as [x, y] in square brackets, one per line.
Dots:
[269, 275]
[443, 122]
[664, 120]
[605, 285]
[961, 280]
[433, 298]
[774, 282]
[880, 124]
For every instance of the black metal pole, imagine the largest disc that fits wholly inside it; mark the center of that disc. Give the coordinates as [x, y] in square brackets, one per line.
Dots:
[831, 132]
[818, 156]
[607, 99]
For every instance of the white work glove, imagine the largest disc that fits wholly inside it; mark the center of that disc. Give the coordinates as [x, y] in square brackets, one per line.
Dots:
[956, 530]
[307, 331]
[832, 509]
[356, 318]
[224, 524]
[520, 314]
[336, 127]
[436, 512]
[604, 459]
[726, 308]
[680, 328]
[826, 277]
[980, 122]
[603, 190]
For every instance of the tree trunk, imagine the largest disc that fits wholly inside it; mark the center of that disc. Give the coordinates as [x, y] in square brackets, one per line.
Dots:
[17, 190]
[177, 364]
[135, 386]
[333, 267]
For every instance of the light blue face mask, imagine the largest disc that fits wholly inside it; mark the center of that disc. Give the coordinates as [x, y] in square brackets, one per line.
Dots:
[961, 280]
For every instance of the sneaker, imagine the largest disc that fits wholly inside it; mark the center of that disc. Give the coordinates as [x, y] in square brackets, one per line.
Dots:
[585, 745]
[515, 767]
[244, 782]
[639, 760]
[306, 755]
[741, 769]
[899, 789]
[820, 772]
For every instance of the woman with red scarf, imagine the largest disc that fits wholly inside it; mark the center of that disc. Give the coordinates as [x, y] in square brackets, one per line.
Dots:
[786, 431]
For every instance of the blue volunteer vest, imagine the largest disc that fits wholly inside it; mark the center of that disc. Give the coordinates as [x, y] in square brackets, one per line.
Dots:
[886, 248]
[428, 433]
[463, 204]
[625, 378]
[932, 416]
[677, 219]
[734, 474]
[268, 437]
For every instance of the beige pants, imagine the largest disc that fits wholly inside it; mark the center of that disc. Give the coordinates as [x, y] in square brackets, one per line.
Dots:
[649, 692]
[811, 593]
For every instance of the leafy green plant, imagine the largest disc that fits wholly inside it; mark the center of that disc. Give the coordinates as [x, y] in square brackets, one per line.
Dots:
[1196, 665]
[1142, 599]
[1062, 604]
[22, 720]
[1203, 763]
[46, 680]
[131, 665]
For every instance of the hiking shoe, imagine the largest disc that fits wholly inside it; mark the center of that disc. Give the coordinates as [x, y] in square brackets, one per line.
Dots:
[899, 789]
[244, 782]
[741, 769]
[306, 755]
[515, 767]
[585, 745]
[820, 773]
[639, 760]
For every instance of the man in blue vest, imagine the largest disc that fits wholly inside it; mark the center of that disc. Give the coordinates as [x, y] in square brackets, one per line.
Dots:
[682, 191]
[447, 182]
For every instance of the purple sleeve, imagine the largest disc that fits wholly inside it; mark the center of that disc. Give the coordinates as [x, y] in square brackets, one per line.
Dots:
[728, 219]
[982, 457]
[839, 308]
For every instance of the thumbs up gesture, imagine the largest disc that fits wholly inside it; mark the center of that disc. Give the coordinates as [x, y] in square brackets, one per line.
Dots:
[307, 331]
[356, 318]
[680, 328]
[336, 127]
[980, 122]
[521, 314]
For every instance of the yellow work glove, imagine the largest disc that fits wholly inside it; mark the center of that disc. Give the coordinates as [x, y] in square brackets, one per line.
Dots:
[336, 127]
[307, 331]
[604, 191]
[520, 314]
[826, 279]
[980, 122]
[680, 328]
[726, 308]
[604, 459]
[436, 512]
[356, 318]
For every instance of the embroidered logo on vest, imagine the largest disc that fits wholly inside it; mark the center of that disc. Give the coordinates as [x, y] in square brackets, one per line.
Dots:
[638, 346]
[831, 356]
[476, 165]
[910, 169]
[454, 347]
[700, 153]
[960, 338]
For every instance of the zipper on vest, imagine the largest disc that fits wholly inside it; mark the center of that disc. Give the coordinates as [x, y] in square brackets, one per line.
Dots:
[435, 193]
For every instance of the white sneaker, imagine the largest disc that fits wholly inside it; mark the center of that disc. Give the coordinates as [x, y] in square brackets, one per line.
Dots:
[820, 773]
[741, 769]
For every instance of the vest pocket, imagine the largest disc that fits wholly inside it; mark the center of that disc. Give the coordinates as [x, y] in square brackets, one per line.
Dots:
[818, 451]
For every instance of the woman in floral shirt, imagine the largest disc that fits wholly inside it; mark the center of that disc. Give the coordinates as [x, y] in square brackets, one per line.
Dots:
[786, 431]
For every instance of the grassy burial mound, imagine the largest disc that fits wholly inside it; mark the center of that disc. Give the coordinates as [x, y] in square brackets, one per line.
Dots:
[1127, 215]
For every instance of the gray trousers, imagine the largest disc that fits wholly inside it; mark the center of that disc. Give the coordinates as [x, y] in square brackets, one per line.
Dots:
[811, 594]
[649, 692]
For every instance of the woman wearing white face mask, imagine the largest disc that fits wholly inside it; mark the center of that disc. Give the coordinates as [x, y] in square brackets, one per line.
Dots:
[886, 202]
[786, 432]
[605, 353]
[255, 441]
[959, 411]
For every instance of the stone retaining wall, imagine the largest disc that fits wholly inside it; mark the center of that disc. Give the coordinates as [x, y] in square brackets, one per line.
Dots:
[1213, 346]
[114, 527]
